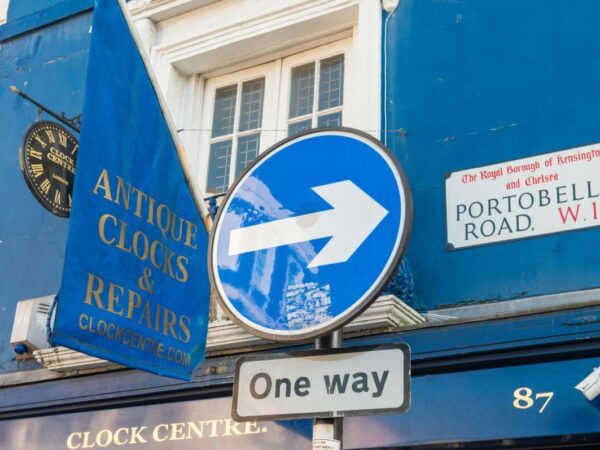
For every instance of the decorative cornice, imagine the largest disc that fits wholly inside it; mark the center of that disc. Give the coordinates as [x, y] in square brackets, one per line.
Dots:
[179, 48]
[387, 313]
[61, 359]
[158, 10]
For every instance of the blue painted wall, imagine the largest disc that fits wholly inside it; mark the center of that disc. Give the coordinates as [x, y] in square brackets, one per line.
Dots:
[23, 8]
[479, 82]
[49, 64]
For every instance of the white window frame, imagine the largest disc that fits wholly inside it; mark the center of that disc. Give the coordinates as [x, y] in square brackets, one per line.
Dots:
[276, 100]
[190, 41]
[342, 47]
[268, 71]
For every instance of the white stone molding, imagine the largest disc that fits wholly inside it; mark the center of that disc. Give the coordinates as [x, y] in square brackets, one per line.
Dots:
[387, 313]
[147, 32]
[159, 10]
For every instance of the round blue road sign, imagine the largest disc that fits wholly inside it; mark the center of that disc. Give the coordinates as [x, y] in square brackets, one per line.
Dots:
[310, 234]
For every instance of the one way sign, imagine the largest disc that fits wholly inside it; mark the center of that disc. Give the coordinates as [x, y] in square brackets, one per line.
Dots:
[310, 234]
[330, 383]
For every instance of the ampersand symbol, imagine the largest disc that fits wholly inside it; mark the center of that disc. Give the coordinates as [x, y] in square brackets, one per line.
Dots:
[144, 282]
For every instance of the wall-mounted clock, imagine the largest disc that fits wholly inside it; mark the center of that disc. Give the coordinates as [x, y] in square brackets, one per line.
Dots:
[47, 158]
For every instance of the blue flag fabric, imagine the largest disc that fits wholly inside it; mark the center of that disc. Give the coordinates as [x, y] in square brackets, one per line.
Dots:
[135, 286]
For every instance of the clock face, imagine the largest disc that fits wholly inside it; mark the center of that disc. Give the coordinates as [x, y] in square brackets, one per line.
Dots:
[48, 158]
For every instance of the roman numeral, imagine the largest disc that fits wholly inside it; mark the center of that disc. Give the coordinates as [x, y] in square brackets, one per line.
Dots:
[70, 200]
[50, 136]
[62, 138]
[74, 149]
[57, 196]
[42, 143]
[45, 186]
[35, 154]
[37, 170]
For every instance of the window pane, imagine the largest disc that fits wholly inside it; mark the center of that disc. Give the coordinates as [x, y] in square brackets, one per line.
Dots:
[247, 151]
[302, 90]
[331, 82]
[330, 120]
[252, 104]
[224, 114]
[218, 167]
[295, 128]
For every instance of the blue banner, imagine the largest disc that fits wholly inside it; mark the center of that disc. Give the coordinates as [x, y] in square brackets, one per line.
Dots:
[135, 288]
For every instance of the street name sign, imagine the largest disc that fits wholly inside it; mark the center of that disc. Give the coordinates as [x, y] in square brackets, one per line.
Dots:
[310, 234]
[323, 383]
[524, 198]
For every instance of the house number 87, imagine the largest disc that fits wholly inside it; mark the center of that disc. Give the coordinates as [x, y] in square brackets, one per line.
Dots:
[525, 398]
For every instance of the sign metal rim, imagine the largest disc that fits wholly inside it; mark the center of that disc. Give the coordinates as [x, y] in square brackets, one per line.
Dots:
[370, 294]
[402, 346]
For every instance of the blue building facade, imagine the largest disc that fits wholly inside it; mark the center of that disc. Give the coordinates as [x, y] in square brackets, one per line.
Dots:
[474, 91]
[475, 84]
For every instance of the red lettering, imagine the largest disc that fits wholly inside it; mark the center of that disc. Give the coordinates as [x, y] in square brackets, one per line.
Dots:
[569, 212]
[469, 178]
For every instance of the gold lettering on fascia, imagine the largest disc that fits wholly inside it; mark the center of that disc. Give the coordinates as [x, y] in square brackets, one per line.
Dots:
[163, 432]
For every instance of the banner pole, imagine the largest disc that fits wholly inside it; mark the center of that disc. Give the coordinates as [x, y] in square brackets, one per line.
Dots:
[328, 433]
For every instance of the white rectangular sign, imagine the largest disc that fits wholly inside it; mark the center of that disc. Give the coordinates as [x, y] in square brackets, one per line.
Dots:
[528, 197]
[324, 383]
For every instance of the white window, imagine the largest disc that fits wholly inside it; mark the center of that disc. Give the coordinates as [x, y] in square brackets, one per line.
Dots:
[314, 83]
[247, 111]
[320, 60]
[236, 110]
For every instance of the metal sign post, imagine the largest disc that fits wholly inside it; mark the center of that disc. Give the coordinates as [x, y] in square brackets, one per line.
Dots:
[329, 431]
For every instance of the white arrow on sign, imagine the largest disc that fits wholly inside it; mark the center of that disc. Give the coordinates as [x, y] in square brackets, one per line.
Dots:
[353, 217]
